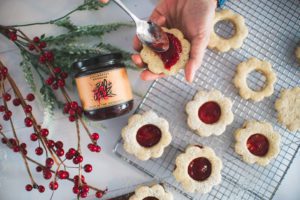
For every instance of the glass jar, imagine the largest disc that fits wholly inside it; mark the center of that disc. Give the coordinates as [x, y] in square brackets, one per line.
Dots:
[103, 86]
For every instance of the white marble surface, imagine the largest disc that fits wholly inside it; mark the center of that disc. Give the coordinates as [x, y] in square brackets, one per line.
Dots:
[108, 169]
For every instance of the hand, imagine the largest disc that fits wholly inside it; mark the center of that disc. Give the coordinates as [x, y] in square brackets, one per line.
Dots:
[194, 18]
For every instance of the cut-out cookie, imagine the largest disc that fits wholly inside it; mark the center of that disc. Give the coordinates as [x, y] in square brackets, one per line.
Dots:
[288, 108]
[241, 31]
[198, 169]
[209, 113]
[257, 142]
[171, 61]
[156, 192]
[146, 135]
[244, 69]
[297, 53]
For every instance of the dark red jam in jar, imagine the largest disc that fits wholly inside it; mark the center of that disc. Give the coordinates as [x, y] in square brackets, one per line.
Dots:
[103, 86]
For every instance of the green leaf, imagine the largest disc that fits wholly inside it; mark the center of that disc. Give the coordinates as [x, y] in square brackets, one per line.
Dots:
[66, 23]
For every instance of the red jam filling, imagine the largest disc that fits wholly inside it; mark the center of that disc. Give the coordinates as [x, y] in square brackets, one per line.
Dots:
[150, 198]
[258, 144]
[171, 56]
[209, 112]
[199, 169]
[148, 135]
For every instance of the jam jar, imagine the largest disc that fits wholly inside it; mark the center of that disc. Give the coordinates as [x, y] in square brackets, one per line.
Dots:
[103, 86]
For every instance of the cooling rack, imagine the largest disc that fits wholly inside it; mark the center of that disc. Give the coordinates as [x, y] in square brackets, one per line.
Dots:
[273, 35]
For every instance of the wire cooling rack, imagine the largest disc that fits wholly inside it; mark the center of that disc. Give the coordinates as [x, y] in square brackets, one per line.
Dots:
[273, 35]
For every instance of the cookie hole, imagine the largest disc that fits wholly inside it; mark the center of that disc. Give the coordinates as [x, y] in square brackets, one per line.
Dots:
[256, 81]
[225, 29]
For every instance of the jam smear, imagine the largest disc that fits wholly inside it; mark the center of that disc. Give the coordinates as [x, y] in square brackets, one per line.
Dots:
[150, 198]
[148, 135]
[209, 112]
[258, 144]
[171, 56]
[199, 169]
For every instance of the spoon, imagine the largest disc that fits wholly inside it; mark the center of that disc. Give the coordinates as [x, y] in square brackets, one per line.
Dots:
[149, 33]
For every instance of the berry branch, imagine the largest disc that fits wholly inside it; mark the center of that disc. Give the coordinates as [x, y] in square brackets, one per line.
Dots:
[40, 134]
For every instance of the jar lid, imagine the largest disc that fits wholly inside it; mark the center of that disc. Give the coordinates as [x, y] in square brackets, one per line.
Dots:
[96, 62]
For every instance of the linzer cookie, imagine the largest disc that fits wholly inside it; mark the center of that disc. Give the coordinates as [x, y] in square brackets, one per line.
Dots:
[257, 142]
[198, 169]
[146, 135]
[171, 61]
[209, 113]
[241, 31]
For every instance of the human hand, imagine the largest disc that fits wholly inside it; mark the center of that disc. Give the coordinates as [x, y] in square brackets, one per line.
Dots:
[194, 18]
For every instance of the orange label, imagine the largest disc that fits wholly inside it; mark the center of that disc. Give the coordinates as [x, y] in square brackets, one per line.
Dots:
[104, 89]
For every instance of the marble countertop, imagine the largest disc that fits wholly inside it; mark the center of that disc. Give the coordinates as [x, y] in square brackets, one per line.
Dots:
[109, 171]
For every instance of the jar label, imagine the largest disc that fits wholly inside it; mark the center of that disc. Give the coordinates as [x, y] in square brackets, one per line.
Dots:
[104, 89]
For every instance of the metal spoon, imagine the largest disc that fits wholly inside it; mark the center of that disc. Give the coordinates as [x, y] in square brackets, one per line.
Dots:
[149, 33]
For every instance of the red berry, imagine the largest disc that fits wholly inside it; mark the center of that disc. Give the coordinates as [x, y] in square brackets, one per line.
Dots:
[41, 189]
[2, 108]
[6, 96]
[60, 152]
[88, 168]
[74, 105]
[72, 118]
[50, 144]
[91, 147]
[95, 136]
[83, 195]
[28, 187]
[39, 169]
[72, 112]
[98, 149]
[33, 137]
[54, 86]
[44, 132]
[16, 102]
[79, 158]
[23, 146]
[53, 185]
[30, 97]
[31, 47]
[13, 36]
[47, 174]
[36, 39]
[59, 144]
[69, 156]
[39, 151]
[49, 162]
[57, 70]
[79, 110]
[4, 140]
[9, 113]
[60, 82]
[24, 151]
[16, 149]
[42, 44]
[63, 174]
[63, 75]
[49, 55]
[85, 189]
[4, 71]
[28, 122]
[99, 194]
[66, 108]
[6, 117]
[72, 151]
[42, 59]
[50, 80]
[75, 190]
[28, 109]
[12, 141]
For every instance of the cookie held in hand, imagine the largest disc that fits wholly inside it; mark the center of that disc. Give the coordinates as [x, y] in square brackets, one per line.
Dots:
[171, 61]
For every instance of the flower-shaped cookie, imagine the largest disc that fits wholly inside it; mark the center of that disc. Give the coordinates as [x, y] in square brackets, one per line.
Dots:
[257, 142]
[288, 108]
[171, 61]
[156, 192]
[209, 113]
[146, 135]
[244, 69]
[198, 169]
[241, 31]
